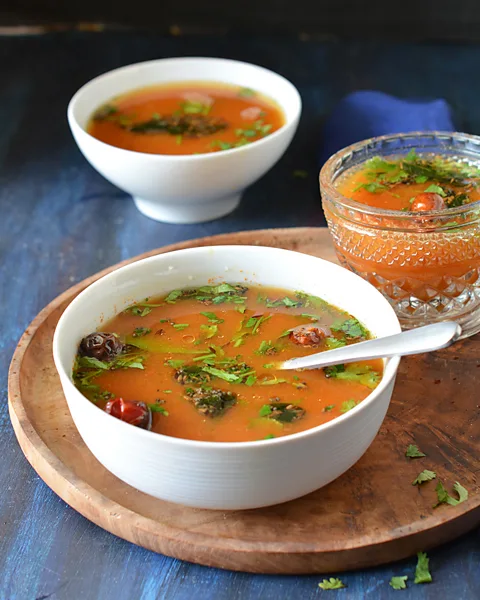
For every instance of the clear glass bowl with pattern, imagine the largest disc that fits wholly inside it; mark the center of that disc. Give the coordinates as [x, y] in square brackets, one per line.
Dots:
[426, 264]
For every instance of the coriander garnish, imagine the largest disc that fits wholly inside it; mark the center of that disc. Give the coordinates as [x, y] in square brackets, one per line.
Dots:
[424, 476]
[399, 582]
[331, 584]
[413, 452]
[422, 573]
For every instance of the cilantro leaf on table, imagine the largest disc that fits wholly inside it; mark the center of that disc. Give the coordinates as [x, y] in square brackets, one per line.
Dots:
[443, 497]
[398, 583]
[422, 573]
[424, 476]
[332, 584]
[413, 452]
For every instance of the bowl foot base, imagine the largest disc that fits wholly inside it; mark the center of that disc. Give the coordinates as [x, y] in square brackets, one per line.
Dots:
[180, 213]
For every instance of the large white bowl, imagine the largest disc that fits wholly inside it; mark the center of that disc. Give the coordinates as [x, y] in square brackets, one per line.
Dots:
[185, 188]
[224, 475]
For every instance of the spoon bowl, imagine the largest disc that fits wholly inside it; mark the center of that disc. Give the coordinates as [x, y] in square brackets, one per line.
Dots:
[416, 341]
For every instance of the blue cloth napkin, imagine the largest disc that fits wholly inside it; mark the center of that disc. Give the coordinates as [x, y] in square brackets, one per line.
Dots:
[366, 114]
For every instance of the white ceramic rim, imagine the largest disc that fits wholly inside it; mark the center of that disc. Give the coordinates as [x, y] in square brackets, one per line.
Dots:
[389, 372]
[183, 157]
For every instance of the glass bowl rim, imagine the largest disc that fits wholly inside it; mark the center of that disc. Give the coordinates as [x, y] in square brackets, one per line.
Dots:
[328, 188]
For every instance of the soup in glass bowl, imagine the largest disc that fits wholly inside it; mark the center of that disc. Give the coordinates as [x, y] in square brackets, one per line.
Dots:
[404, 214]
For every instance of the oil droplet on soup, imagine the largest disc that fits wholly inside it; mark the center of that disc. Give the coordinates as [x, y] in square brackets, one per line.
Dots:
[201, 363]
[186, 118]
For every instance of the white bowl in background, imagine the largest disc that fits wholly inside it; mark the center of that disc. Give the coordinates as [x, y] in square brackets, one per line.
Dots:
[222, 475]
[184, 188]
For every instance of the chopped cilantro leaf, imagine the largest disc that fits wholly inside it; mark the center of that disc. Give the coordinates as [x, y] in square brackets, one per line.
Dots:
[269, 436]
[354, 372]
[158, 408]
[413, 452]
[209, 330]
[246, 93]
[93, 363]
[443, 497]
[141, 331]
[212, 317]
[265, 410]
[352, 328]
[398, 583]
[422, 573]
[173, 296]
[180, 326]
[266, 348]
[373, 187]
[331, 343]
[424, 476]
[176, 364]
[273, 381]
[328, 408]
[347, 405]
[435, 189]
[331, 584]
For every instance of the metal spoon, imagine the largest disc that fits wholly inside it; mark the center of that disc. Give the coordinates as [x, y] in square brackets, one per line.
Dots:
[415, 341]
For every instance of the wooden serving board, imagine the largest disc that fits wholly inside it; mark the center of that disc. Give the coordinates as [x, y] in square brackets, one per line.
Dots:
[370, 515]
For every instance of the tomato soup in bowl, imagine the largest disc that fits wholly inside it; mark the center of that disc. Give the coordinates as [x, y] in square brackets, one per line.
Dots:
[185, 136]
[404, 213]
[169, 370]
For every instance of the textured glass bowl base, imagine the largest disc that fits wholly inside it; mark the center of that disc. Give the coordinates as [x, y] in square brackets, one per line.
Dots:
[457, 299]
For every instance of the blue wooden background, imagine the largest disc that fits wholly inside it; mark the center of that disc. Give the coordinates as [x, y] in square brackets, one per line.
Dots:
[60, 222]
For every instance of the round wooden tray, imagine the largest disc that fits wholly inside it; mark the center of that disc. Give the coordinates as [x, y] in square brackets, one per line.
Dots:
[370, 515]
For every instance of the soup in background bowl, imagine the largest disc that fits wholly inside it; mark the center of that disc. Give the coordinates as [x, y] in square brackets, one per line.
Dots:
[224, 474]
[186, 118]
[186, 187]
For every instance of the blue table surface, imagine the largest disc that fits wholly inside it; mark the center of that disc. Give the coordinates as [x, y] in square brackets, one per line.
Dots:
[60, 222]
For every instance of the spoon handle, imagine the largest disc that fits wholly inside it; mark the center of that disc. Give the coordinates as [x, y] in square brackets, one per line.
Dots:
[415, 341]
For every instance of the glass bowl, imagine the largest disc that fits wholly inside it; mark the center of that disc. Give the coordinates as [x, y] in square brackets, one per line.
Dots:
[426, 264]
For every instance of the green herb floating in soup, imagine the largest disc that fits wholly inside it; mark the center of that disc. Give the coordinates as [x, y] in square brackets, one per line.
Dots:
[413, 183]
[201, 363]
[186, 118]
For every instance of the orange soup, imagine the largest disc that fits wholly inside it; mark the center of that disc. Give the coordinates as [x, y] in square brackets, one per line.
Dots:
[186, 118]
[202, 364]
[413, 259]
[413, 183]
